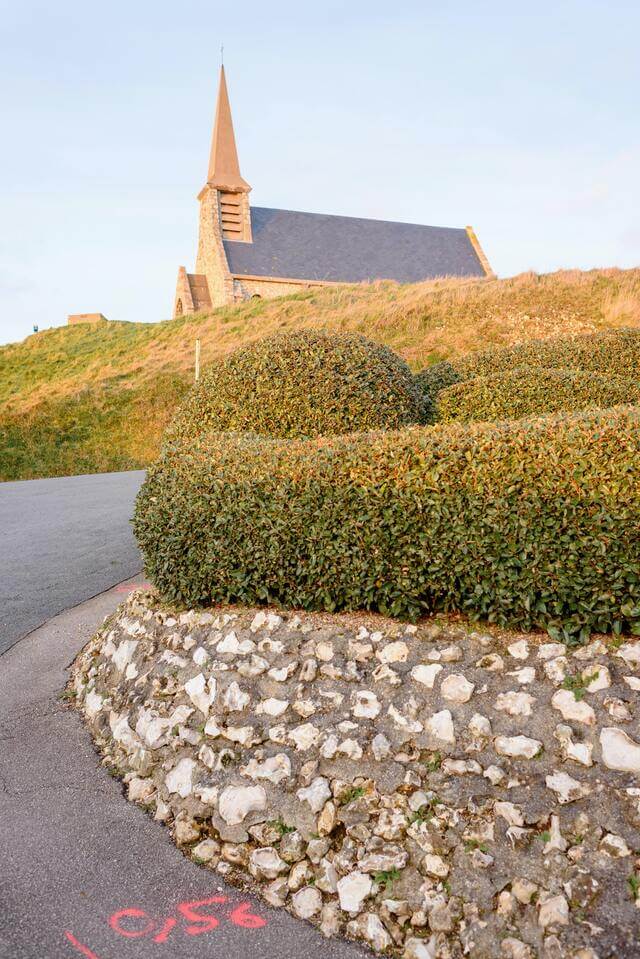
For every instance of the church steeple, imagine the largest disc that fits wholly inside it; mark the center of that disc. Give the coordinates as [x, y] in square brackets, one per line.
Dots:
[224, 169]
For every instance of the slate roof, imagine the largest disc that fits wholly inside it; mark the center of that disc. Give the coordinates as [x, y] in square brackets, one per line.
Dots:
[345, 249]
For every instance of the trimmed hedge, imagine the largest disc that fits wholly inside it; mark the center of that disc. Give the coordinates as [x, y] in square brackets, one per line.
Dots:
[533, 392]
[307, 383]
[527, 524]
[433, 379]
[609, 351]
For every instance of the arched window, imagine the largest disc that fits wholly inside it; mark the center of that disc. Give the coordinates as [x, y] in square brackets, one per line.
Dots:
[256, 296]
[179, 308]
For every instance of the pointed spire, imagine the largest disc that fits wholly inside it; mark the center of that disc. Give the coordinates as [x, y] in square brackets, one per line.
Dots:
[224, 169]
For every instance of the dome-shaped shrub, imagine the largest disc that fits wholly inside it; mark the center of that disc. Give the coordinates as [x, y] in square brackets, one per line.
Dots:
[307, 383]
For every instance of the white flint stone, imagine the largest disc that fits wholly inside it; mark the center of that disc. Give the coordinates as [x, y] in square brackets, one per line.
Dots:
[369, 927]
[283, 673]
[518, 747]
[305, 707]
[494, 774]
[571, 708]
[554, 911]
[420, 948]
[275, 768]
[380, 747]
[93, 703]
[235, 699]
[324, 651]
[440, 725]
[524, 676]
[450, 654]
[211, 728]
[208, 795]
[617, 709]
[201, 693]
[435, 866]
[566, 788]
[236, 802]
[579, 752]
[329, 747]
[384, 673]
[243, 735]
[456, 688]
[396, 652]
[307, 902]
[480, 727]
[630, 652]
[200, 656]
[206, 850]
[556, 840]
[258, 621]
[180, 779]
[350, 748]
[514, 703]
[519, 650]
[304, 736]
[265, 863]
[123, 653]
[619, 751]
[510, 812]
[556, 669]
[411, 725]
[633, 682]
[352, 890]
[426, 674]
[367, 705]
[315, 794]
[230, 644]
[615, 846]
[461, 767]
[551, 650]
[272, 707]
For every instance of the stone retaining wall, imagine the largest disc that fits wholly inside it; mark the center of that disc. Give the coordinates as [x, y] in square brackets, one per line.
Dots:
[433, 792]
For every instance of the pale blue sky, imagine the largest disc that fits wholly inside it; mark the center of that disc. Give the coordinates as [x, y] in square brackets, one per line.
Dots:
[520, 119]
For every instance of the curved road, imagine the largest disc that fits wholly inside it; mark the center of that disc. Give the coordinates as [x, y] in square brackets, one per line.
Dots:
[85, 873]
[63, 540]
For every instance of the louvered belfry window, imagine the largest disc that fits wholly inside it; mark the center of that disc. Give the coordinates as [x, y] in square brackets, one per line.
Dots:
[231, 216]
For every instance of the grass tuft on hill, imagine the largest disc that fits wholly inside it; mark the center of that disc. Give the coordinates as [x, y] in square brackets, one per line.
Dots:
[98, 397]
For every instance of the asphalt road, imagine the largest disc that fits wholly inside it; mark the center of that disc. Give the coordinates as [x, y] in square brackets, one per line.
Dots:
[84, 873]
[62, 541]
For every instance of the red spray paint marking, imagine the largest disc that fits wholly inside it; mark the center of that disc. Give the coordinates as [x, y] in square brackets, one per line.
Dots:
[123, 588]
[135, 923]
[84, 950]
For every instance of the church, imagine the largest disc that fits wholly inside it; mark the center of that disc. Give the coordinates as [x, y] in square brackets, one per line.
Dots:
[249, 251]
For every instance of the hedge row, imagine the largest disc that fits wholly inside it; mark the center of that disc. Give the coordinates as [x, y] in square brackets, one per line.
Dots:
[533, 392]
[530, 524]
[307, 383]
[609, 351]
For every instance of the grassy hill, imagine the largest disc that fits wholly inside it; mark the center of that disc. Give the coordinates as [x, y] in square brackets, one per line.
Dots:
[95, 398]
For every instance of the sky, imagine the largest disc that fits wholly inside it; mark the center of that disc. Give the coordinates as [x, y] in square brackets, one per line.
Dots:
[519, 119]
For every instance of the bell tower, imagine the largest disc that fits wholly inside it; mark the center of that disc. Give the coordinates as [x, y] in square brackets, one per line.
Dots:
[225, 216]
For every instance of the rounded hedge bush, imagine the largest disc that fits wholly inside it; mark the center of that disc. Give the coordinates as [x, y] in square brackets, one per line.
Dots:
[307, 383]
[528, 391]
[532, 523]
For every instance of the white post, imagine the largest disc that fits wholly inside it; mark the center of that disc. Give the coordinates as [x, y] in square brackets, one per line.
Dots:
[197, 360]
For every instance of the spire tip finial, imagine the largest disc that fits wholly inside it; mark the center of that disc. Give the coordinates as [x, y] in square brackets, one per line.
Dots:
[222, 54]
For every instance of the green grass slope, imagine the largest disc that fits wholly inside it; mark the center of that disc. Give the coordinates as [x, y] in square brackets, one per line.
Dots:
[96, 398]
